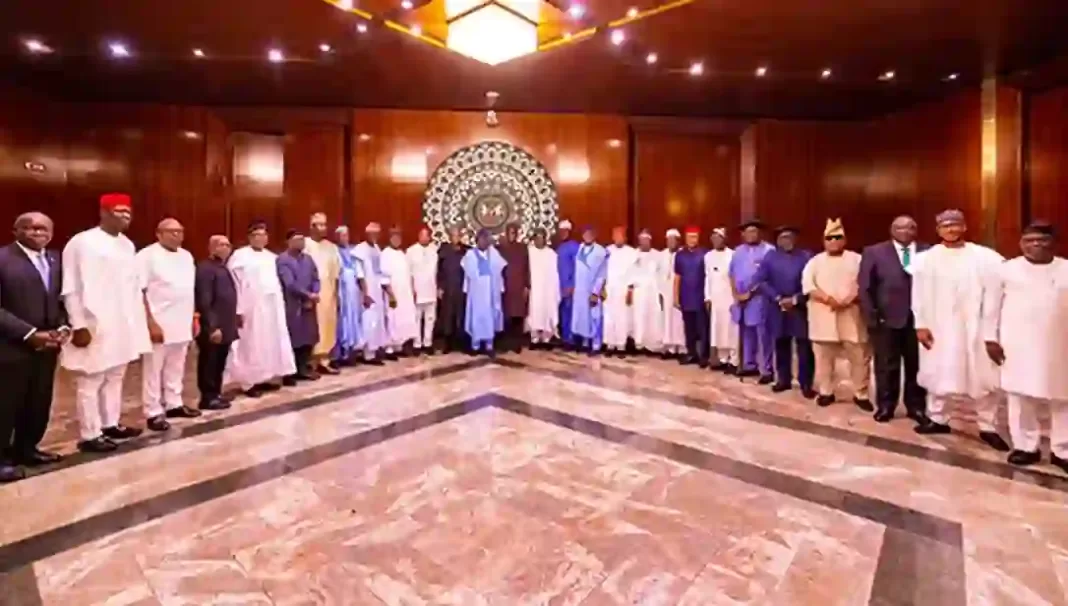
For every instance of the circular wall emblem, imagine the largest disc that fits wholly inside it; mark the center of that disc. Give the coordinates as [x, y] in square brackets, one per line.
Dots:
[489, 185]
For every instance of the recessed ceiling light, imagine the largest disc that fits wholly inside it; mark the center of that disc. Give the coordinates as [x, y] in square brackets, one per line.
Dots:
[364, 137]
[406, 5]
[275, 56]
[632, 12]
[118, 50]
[576, 11]
[826, 73]
[953, 76]
[614, 143]
[37, 47]
[761, 71]
[618, 37]
[199, 54]
[651, 58]
[887, 75]
[429, 150]
[567, 35]
[191, 135]
[361, 27]
[345, 4]
[416, 30]
[697, 68]
[324, 47]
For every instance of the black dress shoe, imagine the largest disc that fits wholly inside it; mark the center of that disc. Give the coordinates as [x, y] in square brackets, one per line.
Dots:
[183, 412]
[10, 473]
[1058, 462]
[752, 372]
[40, 457]
[823, 400]
[666, 355]
[254, 392]
[290, 381]
[269, 386]
[883, 416]
[766, 380]
[687, 361]
[307, 376]
[779, 388]
[808, 393]
[158, 423]
[215, 404]
[392, 357]
[121, 432]
[326, 369]
[492, 354]
[702, 365]
[930, 428]
[994, 441]
[226, 397]
[101, 444]
[863, 404]
[377, 362]
[428, 351]
[917, 416]
[1023, 458]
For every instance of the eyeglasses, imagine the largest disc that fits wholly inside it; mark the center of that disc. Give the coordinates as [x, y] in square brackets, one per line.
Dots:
[832, 238]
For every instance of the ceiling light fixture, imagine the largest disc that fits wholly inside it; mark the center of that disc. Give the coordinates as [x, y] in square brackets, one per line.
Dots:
[632, 13]
[406, 5]
[37, 47]
[364, 137]
[345, 4]
[887, 75]
[192, 135]
[275, 56]
[324, 47]
[361, 28]
[118, 50]
[761, 71]
[614, 143]
[826, 73]
[576, 11]
[199, 54]
[416, 30]
[952, 76]
[567, 35]
[618, 37]
[492, 32]
[651, 58]
[697, 68]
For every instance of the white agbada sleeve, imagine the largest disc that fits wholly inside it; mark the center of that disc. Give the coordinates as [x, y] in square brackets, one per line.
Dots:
[708, 278]
[993, 297]
[73, 285]
[920, 287]
[808, 278]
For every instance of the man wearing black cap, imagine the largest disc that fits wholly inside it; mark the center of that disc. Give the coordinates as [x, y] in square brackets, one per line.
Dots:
[750, 309]
[779, 278]
[1025, 327]
[300, 288]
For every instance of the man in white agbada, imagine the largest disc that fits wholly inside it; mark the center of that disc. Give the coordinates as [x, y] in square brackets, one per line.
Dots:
[102, 294]
[263, 351]
[723, 332]
[543, 313]
[617, 316]
[674, 332]
[377, 294]
[948, 283]
[645, 299]
[401, 326]
[327, 260]
[423, 265]
[1025, 325]
[168, 274]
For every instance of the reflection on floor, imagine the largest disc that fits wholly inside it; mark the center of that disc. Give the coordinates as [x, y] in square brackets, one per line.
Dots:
[541, 478]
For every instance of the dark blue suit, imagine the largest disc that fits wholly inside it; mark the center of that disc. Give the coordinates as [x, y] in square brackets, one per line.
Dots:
[566, 253]
[780, 276]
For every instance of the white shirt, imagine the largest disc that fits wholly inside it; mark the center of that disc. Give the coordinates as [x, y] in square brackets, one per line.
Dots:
[167, 278]
[35, 257]
[900, 250]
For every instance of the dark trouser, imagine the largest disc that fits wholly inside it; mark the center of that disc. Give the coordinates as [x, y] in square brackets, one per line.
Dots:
[302, 358]
[565, 319]
[511, 339]
[695, 325]
[26, 402]
[892, 345]
[211, 362]
[806, 365]
[449, 324]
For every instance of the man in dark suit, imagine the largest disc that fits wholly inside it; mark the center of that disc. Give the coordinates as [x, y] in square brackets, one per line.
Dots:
[33, 324]
[216, 305]
[886, 300]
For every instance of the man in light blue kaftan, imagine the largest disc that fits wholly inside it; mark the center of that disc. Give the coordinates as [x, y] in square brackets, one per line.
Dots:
[751, 306]
[566, 249]
[349, 301]
[484, 284]
[591, 267]
[375, 292]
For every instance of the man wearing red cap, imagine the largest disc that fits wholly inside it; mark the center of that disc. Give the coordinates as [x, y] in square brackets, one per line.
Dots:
[690, 297]
[102, 293]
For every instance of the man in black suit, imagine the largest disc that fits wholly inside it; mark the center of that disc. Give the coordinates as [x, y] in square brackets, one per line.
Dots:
[216, 305]
[33, 324]
[886, 300]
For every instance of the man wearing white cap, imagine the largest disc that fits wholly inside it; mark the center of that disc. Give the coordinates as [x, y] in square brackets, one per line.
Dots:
[566, 253]
[377, 294]
[544, 312]
[327, 260]
[722, 332]
[673, 330]
[948, 285]
[644, 297]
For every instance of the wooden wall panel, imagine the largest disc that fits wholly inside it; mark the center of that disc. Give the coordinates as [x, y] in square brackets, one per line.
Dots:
[396, 151]
[1048, 117]
[685, 179]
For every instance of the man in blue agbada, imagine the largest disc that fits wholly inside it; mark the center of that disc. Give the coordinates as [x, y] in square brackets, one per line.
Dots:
[779, 279]
[300, 288]
[591, 267]
[751, 306]
[349, 301]
[484, 285]
[566, 251]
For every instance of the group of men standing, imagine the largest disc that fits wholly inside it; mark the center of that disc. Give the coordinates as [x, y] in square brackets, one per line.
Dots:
[962, 323]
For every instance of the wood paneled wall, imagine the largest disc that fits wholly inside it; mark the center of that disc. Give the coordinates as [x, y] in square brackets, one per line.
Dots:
[1048, 117]
[395, 152]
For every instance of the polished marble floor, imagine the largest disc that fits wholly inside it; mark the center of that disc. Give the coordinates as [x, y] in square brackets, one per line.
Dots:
[539, 478]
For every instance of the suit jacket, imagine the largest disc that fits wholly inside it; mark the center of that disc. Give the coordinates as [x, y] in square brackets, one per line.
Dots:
[25, 303]
[885, 286]
[216, 299]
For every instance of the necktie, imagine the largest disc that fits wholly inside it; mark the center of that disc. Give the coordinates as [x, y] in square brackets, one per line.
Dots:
[42, 268]
[906, 257]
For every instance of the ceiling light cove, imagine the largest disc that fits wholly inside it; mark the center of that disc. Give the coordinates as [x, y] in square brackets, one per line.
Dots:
[492, 32]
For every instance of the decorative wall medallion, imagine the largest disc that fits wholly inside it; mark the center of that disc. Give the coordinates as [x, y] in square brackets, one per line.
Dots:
[489, 185]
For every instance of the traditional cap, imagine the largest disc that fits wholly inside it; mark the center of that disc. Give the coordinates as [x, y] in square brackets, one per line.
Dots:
[834, 228]
[786, 228]
[483, 232]
[256, 225]
[342, 229]
[372, 226]
[692, 229]
[672, 233]
[565, 224]
[951, 215]
[113, 201]
[720, 231]
[645, 234]
[754, 222]
[589, 228]
[292, 233]
[1040, 227]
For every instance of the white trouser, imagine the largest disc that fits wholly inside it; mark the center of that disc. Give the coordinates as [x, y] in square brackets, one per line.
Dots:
[541, 336]
[425, 315]
[1026, 430]
[99, 397]
[162, 374]
[725, 355]
[986, 409]
[674, 349]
